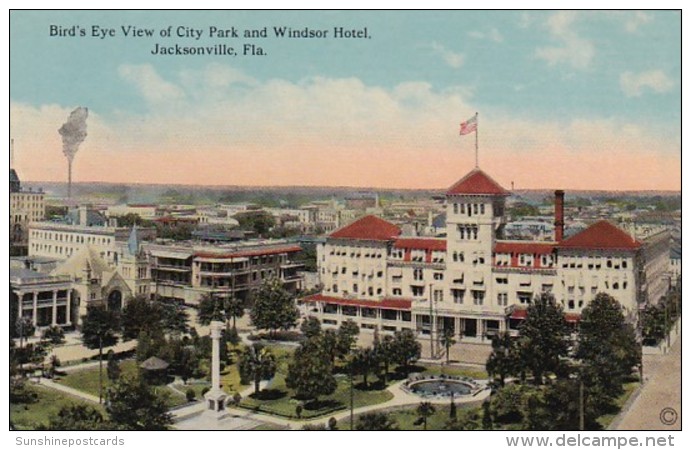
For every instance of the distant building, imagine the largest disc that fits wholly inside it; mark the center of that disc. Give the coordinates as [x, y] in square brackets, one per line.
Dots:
[185, 272]
[26, 206]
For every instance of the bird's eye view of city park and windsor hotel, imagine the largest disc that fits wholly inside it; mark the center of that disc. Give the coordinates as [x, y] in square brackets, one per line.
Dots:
[345, 220]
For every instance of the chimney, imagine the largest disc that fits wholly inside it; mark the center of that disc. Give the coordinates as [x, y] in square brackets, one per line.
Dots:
[558, 215]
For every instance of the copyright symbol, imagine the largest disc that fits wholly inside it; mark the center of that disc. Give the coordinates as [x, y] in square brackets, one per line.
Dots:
[668, 416]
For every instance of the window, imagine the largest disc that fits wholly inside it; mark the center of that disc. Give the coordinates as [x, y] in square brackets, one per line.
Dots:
[418, 291]
[455, 256]
[482, 208]
[457, 295]
[474, 208]
[478, 297]
[438, 276]
[418, 274]
[502, 299]
[462, 208]
[525, 297]
[455, 208]
[397, 291]
[438, 295]
[355, 288]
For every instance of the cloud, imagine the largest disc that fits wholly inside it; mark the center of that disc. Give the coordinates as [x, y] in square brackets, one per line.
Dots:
[451, 58]
[572, 49]
[633, 85]
[492, 35]
[239, 130]
[635, 20]
[153, 88]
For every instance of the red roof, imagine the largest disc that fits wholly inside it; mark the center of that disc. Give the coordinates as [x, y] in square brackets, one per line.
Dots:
[387, 303]
[477, 182]
[249, 253]
[437, 245]
[370, 228]
[601, 235]
[531, 248]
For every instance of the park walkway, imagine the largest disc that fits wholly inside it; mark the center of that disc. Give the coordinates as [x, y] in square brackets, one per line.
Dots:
[239, 417]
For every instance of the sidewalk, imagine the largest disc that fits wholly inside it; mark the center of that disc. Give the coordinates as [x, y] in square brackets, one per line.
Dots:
[658, 404]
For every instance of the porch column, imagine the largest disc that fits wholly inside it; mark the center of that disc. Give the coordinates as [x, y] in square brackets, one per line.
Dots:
[68, 308]
[35, 311]
[55, 308]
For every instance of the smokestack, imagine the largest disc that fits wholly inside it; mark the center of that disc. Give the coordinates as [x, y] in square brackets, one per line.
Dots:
[558, 215]
[73, 133]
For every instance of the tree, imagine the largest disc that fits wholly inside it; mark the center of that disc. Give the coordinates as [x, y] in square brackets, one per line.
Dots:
[99, 328]
[78, 418]
[544, 338]
[311, 327]
[329, 343]
[346, 337]
[134, 405]
[55, 335]
[425, 410]
[222, 309]
[607, 346]
[504, 361]
[406, 348]
[447, 341]
[310, 373]
[155, 317]
[364, 362]
[258, 221]
[386, 353]
[375, 422]
[256, 363]
[113, 367]
[24, 328]
[274, 307]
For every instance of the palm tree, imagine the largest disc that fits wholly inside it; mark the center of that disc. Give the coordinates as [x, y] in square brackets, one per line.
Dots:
[424, 411]
[233, 308]
[257, 363]
[447, 341]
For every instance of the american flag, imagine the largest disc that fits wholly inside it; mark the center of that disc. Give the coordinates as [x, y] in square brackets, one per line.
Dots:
[469, 126]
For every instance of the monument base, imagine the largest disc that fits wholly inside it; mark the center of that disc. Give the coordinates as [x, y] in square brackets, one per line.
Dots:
[216, 404]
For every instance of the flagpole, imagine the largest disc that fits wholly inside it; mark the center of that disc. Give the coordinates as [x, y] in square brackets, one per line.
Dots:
[477, 126]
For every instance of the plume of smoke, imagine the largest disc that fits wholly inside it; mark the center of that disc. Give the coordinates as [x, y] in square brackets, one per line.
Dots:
[73, 132]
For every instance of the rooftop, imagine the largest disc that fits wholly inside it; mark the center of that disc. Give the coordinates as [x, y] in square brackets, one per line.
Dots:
[370, 228]
[477, 182]
[601, 235]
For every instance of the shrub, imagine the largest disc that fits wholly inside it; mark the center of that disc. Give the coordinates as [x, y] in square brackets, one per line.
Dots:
[190, 395]
[205, 390]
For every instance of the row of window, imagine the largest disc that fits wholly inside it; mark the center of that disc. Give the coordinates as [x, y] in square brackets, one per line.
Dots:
[467, 232]
[71, 237]
[578, 263]
[356, 254]
[469, 209]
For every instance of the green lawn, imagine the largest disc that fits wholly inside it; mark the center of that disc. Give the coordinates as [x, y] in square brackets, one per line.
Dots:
[279, 400]
[477, 374]
[87, 381]
[30, 416]
[629, 388]
[406, 417]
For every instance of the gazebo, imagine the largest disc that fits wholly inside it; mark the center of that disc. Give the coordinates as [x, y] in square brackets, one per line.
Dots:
[155, 369]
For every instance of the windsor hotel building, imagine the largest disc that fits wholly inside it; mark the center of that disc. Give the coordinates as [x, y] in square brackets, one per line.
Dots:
[473, 281]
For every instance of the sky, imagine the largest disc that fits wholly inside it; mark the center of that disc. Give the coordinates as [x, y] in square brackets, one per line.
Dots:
[566, 99]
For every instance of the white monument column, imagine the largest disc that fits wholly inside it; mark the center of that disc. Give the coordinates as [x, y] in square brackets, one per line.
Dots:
[215, 398]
